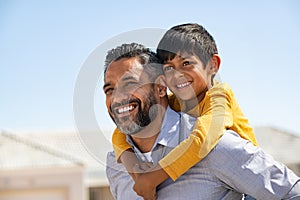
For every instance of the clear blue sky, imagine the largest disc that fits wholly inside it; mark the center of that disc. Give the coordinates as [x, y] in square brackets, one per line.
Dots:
[43, 45]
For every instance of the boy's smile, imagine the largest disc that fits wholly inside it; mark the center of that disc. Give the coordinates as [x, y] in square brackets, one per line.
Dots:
[183, 85]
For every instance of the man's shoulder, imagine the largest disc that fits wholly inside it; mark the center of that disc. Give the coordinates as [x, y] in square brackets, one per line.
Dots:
[231, 147]
[111, 161]
[114, 170]
[111, 158]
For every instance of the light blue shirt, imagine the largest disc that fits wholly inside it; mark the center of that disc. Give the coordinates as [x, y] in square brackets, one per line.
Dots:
[234, 167]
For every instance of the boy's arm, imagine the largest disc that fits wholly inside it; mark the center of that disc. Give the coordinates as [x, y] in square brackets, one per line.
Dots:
[124, 153]
[119, 143]
[130, 161]
[216, 116]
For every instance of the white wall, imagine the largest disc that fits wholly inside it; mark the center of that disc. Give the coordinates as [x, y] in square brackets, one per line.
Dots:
[59, 183]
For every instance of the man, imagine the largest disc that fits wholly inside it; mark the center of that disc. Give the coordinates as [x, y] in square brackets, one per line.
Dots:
[136, 101]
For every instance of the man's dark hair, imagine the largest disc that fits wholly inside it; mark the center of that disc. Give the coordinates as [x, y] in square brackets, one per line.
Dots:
[145, 56]
[190, 38]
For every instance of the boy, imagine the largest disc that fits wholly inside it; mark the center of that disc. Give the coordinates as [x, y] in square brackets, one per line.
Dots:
[190, 61]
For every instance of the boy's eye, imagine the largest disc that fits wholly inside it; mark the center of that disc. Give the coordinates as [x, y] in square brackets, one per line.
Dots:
[167, 68]
[185, 63]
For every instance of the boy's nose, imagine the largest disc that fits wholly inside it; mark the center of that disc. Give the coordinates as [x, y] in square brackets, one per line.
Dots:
[178, 73]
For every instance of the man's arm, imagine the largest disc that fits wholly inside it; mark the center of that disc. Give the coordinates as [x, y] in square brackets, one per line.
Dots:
[249, 170]
[129, 160]
[120, 181]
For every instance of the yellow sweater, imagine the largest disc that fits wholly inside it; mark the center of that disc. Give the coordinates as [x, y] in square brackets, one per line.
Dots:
[216, 113]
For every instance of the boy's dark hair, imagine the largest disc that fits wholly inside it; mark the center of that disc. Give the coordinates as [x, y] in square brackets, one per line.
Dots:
[190, 38]
[146, 57]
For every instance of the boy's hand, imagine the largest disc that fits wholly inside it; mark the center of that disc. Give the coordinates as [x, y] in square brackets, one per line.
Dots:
[143, 187]
[146, 183]
[142, 167]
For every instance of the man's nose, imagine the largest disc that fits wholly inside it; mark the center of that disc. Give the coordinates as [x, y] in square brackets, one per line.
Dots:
[120, 95]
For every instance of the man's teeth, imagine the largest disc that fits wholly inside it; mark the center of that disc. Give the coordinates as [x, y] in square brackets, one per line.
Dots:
[125, 109]
[183, 85]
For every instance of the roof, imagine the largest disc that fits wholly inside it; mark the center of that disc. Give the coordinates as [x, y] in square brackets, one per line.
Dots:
[19, 150]
[66, 148]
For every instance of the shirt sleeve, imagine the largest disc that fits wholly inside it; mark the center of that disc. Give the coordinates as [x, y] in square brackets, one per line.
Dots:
[215, 117]
[120, 182]
[119, 143]
[249, 170]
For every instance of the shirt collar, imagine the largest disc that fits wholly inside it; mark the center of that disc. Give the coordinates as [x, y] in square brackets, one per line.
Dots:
[169, 133]
[175, 127]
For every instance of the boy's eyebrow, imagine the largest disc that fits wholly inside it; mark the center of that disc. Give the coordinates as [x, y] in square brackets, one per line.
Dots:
[186, 57]
[181, 56]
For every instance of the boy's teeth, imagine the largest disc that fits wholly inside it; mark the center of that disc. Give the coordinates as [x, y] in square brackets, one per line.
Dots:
[125, 109]
[183, 85]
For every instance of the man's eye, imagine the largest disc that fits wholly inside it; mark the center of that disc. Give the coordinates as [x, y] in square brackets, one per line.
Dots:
[131, 83]
[108, 91]
[167, 68]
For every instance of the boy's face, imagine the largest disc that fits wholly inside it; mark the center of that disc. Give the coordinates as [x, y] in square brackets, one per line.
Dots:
[186, 76]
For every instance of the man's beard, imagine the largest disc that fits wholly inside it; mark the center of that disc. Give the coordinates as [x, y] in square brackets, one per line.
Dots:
[139, 121]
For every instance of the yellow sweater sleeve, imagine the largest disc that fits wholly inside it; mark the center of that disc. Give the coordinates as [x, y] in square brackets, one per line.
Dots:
[119, 143]
[215, 117]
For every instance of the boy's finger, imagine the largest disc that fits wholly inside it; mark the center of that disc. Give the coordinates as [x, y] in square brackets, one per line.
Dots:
[137, 169]
[146, 165]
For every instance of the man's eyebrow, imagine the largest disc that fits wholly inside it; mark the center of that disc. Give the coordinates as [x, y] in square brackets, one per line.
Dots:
[126, 78]
[106, 85]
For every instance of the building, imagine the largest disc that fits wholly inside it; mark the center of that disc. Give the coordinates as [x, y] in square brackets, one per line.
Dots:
[58, 166]
[49, 165]
[282, 145]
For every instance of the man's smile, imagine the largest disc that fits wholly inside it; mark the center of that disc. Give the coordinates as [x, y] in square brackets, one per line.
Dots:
[125, 108]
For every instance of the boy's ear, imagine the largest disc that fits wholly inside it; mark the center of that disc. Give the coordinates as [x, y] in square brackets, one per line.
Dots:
[160, 81]
[215, 63]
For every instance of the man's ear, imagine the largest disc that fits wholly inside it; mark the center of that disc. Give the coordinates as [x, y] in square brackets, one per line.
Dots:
[215, 63]
[160, 82]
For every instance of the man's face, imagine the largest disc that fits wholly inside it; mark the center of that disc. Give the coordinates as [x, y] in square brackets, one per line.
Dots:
[129, 95]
